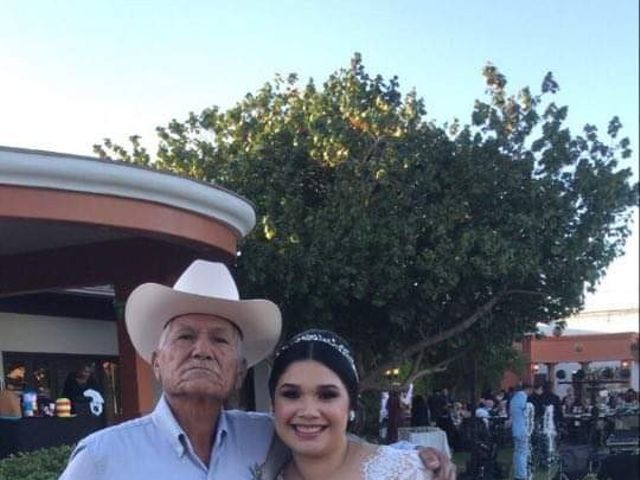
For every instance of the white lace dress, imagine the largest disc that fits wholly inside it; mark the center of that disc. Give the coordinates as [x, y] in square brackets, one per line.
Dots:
[388, 463]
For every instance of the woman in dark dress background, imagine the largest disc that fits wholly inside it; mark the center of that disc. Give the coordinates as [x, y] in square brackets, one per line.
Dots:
[419, 412]
[76, 384]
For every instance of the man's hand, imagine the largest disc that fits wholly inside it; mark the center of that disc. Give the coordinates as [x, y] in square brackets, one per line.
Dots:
[437, 462]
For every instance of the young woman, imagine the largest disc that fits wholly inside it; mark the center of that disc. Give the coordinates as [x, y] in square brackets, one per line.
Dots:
[314, 387]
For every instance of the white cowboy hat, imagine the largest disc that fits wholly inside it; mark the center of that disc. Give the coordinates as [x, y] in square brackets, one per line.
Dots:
[206, 288]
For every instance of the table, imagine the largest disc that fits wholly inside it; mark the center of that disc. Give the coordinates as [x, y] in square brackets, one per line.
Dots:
[27, 434]
[426, 437]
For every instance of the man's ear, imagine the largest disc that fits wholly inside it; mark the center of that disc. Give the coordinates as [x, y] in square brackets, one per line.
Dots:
[241, 373]
[154, 365]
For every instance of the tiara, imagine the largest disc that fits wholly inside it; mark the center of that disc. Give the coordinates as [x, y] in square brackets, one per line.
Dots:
[318, 337]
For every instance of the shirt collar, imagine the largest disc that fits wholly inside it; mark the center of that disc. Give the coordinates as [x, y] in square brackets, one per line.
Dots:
[164, 419]
[222, 429]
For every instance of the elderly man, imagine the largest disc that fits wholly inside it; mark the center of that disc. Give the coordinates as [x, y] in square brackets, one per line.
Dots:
[200, 339]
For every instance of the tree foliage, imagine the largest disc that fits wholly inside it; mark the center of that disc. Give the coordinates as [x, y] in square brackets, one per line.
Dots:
[415, 241]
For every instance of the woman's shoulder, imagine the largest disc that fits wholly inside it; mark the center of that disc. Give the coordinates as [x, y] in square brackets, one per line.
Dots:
[386, 463]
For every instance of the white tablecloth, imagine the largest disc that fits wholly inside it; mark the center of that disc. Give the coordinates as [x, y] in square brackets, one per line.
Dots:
[426, 437]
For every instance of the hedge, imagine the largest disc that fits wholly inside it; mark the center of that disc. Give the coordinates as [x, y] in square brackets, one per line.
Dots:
[44, 464]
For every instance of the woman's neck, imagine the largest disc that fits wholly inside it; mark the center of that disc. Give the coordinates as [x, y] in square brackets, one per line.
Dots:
[323, 467]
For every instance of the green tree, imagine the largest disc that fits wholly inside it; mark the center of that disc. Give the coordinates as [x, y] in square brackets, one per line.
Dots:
[415, 241]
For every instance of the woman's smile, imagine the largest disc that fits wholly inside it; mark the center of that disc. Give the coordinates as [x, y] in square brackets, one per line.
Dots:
[308, 432]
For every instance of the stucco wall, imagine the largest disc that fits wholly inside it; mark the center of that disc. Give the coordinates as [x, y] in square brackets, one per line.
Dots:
[34, 333]
[598, 347]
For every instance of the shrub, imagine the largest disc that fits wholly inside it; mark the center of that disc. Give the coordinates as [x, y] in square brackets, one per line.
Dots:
[44, 464]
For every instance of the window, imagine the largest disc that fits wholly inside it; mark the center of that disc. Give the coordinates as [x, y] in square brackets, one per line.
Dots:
[46, 373]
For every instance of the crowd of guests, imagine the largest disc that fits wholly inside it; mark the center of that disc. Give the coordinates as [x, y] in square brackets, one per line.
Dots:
[605, 400]
[499, 418]
[444, 411]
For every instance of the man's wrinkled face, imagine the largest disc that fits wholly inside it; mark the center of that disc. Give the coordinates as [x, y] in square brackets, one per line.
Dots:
[199, 356]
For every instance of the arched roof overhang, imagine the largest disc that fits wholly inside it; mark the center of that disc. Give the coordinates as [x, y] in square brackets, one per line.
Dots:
[68, 221]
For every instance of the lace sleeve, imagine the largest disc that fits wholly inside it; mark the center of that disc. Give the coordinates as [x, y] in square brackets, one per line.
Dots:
[388, 463]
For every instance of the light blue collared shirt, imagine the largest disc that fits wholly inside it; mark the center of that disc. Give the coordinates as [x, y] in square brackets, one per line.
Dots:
[518, 408]
[155, 447]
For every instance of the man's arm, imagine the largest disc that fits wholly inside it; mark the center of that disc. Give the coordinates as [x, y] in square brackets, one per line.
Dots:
[433, 459]
[439, 463]
[81, 466]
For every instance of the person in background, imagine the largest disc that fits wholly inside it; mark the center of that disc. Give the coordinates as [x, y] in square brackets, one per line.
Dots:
[500, 410]
[550, 398]
[501, 404]
[383, 415]
[41, 382]
[482, 412]
[77, 383]
[518, 406]
[432, 404]
[406, 398]
[438, 407]
[631, 398]
[568, 401]
[419, 412]
[15, 379]
[536, 399]
[511, 391]
[458, 414]
[441, 413]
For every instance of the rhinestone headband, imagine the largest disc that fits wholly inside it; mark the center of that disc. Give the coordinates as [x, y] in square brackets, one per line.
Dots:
[332, 342]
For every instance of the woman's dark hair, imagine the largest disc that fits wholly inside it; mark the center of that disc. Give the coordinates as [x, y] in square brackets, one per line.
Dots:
[324, 347]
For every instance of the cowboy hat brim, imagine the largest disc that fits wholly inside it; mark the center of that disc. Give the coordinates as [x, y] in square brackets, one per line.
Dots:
[151, 306]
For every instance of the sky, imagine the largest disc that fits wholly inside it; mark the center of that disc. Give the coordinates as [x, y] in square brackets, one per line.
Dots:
[75, 72]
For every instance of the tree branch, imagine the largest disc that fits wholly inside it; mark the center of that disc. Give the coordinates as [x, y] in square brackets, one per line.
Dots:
[416, 363]
[435, 368]
[444, 335]
[414, 375]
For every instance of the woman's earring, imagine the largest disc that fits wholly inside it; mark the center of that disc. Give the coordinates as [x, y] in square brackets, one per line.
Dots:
[352, 415]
